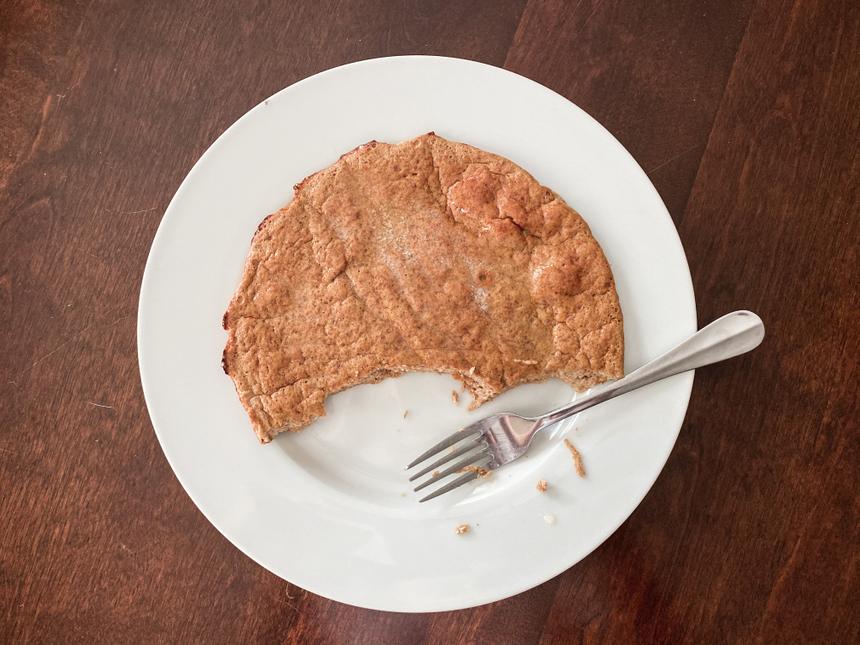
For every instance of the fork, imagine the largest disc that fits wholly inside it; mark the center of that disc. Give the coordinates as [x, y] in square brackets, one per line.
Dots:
[501, 438]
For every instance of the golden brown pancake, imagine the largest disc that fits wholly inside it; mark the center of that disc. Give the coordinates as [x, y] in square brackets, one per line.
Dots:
[428, 255]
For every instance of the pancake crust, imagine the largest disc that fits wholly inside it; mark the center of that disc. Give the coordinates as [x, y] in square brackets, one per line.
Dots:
[427, 255]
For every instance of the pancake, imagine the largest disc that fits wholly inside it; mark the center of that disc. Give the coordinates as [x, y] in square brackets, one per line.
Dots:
[427, 255]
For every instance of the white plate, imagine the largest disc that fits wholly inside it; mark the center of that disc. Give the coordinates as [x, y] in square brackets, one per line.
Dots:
[329, 509]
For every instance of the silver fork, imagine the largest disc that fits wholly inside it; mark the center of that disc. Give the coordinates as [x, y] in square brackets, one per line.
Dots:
[499, 439]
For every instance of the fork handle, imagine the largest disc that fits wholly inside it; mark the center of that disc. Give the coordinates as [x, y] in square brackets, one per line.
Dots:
[733, 334]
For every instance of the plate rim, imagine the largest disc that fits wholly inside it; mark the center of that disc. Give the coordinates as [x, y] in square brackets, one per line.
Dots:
[685, 379]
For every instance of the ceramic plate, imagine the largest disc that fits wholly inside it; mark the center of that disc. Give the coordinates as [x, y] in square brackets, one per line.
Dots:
[329, 509]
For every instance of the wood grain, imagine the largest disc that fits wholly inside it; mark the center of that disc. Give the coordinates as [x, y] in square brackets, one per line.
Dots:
[743, 113]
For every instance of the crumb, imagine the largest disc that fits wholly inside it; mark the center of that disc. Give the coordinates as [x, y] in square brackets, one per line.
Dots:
[524, 362]
[480, 471]
[549, 519]
[471, 371]
[402, 494]
[405, 413]
[541, 486]
[577, 458]
[463, 529]
[434, 474]
[455, 397]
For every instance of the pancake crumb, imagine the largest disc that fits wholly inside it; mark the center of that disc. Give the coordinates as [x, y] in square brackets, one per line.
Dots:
[549, 519]
[455, 398]
[463, 529]
[577, 458]
[542, 486]
[434, 474]
[479, 470]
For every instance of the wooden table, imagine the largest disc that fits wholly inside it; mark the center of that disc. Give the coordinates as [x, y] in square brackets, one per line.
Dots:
[744, 115]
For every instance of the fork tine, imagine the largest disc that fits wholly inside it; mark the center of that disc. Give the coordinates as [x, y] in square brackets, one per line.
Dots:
[462, 479]
[447, 458]
[466, 461]
[452, 439]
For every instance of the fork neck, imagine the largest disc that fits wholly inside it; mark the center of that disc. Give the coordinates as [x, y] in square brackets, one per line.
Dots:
[576, 407]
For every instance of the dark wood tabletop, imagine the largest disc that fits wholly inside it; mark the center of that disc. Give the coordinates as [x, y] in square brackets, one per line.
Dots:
[745, 115]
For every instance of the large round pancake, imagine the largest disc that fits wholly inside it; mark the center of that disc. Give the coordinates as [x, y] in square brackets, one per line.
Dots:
[427, 255]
